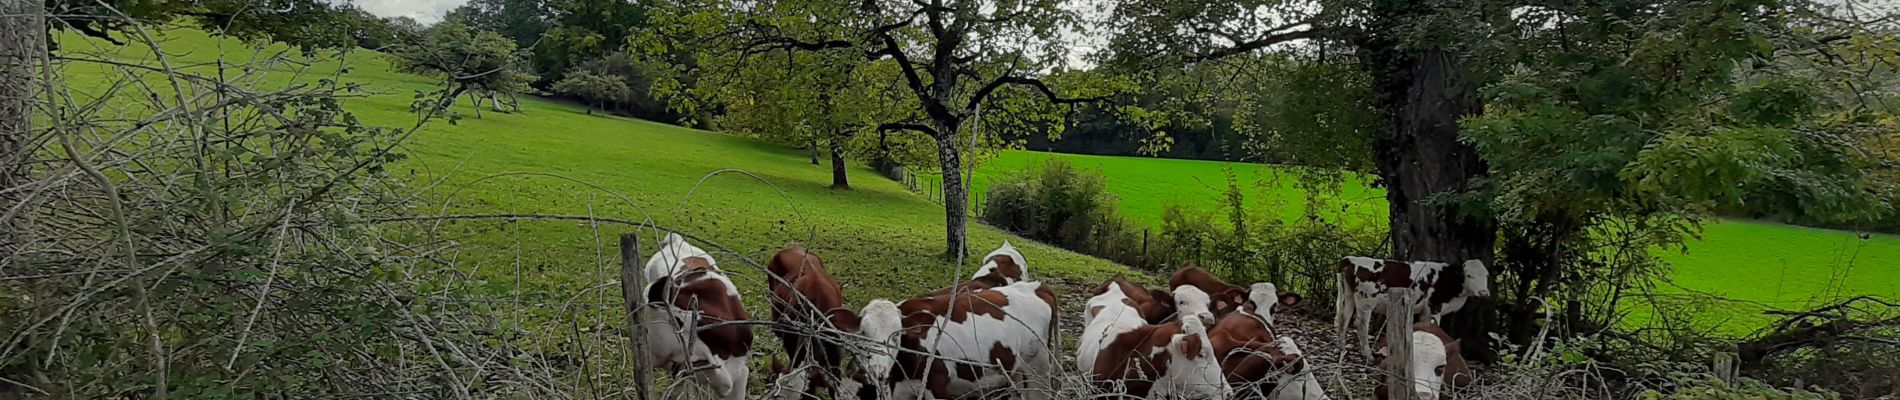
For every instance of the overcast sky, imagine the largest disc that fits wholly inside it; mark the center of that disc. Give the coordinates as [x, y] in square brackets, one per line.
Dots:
[424, 11]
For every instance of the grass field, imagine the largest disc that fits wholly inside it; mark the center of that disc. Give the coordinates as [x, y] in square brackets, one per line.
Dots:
[552, 158]
[1757, 264]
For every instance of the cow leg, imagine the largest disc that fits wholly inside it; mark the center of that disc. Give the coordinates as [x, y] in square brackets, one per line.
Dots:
[1362, 317]
[729, 380]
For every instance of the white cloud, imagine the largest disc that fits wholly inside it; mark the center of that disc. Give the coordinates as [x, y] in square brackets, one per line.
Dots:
[424, 11]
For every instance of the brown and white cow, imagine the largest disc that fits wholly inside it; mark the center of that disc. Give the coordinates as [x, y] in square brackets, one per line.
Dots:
[1001, 267]
[955, 344]
[1227, 297]
[1155, 306]
[804, 298]
[1436, 364]
[1363, 282]
[689, 292]
[1125, 354]
[1253, 360]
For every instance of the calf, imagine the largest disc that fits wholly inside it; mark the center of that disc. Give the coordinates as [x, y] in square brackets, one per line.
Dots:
[1225, 297]
[1001, 267]
[805, 298]
[1154, 306]
[1250, 355]
[1363, 283]
[955, 344]
[1171, 360]
[691, 293]
[1436, 363]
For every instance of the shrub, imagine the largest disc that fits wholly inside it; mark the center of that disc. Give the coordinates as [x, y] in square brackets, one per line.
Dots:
[1067, 207]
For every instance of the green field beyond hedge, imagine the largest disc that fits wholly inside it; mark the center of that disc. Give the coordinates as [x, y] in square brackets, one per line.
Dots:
[1757, 264]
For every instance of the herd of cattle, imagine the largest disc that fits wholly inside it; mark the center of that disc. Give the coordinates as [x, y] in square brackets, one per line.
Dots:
[1202, 339]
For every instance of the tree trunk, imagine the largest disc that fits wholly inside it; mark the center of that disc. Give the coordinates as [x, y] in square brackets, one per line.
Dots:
[838, 178]
[1421, 156]
[20, 51]
[813, 146]
[954, 198]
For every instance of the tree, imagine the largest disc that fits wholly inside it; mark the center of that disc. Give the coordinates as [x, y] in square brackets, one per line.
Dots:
[955, 57]
[1620, 111]
[593, 89]
[309, 24]
[468, 61]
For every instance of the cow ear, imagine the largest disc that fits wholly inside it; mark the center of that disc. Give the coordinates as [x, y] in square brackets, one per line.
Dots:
[1289, 299]
[656, 291]
[1191, 346]
[845, 320]
[1385, 351]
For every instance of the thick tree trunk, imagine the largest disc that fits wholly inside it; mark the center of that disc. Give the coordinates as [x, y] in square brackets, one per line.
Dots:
[954, 198]
[1422, 157]
[838, 178]
[21, 49]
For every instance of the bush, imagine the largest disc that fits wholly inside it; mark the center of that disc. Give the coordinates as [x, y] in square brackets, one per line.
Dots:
[1067, 207]
[1298, 254]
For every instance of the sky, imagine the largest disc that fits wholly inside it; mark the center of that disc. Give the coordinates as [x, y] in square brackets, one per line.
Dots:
[424, 11]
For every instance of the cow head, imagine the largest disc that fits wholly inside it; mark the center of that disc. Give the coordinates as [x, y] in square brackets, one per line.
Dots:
[1477, 278]
[1192, 303]
[881, 322]
[1006, 262]
[673, 257]
[1264, 297]
[1435, 363]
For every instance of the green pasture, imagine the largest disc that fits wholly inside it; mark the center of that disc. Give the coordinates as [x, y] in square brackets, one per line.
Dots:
[1757, 265]
[553, 159]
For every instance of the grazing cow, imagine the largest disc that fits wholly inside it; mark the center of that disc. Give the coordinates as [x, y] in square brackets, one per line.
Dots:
[1250, 355]
[1171, 360]
[1155, 306]
[944, 346]
[1363, 283]
[673, 255]
[691, 293]
[805, 297]
[1001, 267]
[1436, 363]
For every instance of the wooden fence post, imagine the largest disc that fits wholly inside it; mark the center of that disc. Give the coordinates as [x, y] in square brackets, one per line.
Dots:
[1145, 259]
[1398, 342]
[633, 283]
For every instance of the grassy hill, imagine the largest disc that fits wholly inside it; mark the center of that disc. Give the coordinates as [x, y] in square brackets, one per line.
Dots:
[552, 158]
[1757, 264]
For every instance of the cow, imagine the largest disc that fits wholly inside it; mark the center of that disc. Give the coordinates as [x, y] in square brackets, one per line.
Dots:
[1001, 267]
[692, 296]
[1226, 298]
[1251, 356]
[805, 298]
[1154, 306]
[1120, 305]
[1363, 282]
[1123, 353]
[956, 344]
[1436, 363]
